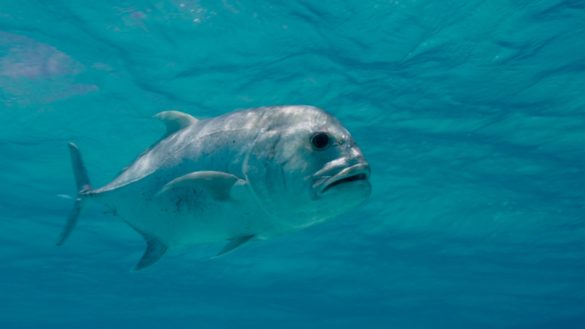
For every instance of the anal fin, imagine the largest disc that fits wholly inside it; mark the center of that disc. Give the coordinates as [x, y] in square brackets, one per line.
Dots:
[234, 243]
[155, 249]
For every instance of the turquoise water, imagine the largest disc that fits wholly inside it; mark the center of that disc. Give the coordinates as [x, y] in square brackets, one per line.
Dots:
[471, 113]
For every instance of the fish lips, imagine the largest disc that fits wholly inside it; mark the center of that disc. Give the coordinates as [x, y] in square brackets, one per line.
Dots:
[356, 174]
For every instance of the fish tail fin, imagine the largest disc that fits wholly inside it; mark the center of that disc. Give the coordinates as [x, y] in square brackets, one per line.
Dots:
[83, 189]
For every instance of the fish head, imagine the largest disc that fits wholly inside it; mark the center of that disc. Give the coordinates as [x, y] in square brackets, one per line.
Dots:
[307, 167]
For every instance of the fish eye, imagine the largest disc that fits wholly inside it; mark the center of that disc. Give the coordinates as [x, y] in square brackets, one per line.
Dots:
[320, 140]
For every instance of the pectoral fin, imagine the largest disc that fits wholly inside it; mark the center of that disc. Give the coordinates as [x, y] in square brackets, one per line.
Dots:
[234, 243]
[215, 185]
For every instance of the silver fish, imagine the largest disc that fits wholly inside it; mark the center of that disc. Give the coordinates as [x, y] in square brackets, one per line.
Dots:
[250, 174]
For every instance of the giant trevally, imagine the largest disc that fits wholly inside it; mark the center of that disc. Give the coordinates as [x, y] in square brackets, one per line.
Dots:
[249, 174]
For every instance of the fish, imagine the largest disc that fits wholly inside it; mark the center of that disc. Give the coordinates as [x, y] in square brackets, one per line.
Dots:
[245, 175]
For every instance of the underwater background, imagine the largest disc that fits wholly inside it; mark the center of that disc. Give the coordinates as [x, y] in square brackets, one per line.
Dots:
[471, 114]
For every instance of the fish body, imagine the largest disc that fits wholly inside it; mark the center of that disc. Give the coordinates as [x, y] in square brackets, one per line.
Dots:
[249, 174]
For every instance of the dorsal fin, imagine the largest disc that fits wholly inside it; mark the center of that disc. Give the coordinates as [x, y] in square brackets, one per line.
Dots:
[175, 120]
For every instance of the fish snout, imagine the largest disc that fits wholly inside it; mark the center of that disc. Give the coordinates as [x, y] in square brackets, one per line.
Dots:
[355, 171]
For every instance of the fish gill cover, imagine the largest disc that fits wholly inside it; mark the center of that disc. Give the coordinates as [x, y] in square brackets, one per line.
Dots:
[471, 113]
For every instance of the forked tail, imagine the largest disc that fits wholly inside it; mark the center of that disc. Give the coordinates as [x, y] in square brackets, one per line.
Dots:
[83, 187]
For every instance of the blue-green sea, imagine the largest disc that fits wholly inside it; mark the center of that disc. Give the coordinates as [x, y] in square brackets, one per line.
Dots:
[470, 113]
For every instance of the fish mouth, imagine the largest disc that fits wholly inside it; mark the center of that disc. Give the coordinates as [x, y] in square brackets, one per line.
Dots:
[356, 173]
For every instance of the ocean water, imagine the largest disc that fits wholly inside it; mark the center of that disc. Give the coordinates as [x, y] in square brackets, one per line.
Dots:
[471, 114]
